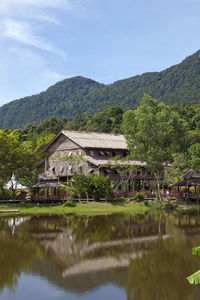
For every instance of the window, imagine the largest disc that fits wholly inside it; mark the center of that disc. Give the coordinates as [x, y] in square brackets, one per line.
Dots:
[113, 153]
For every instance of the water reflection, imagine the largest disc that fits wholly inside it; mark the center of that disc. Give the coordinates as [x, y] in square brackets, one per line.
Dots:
[145, 256]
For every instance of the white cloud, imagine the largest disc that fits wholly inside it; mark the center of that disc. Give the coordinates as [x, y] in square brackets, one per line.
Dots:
[22, 32]
[18, 19]
[7, 6]
[12, 6]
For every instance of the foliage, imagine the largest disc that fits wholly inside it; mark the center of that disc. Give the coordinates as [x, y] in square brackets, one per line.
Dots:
[179, 166]
[146, 202]
[69, 204]
[176, 85]
[195, 278]
[154, 133]
[195, 156]
[94, 185]
[139, 197]
[14, 158]
[170, 205]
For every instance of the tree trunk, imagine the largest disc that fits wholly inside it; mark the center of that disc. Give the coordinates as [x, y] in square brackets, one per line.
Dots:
[79, 198]
[87, 196]
[158, 186]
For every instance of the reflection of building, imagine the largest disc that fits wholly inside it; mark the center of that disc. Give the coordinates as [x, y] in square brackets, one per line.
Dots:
[83, 153]
[74, 255]
[189, 224]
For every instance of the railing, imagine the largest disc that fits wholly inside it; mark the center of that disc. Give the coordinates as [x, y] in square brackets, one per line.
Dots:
[49, 197]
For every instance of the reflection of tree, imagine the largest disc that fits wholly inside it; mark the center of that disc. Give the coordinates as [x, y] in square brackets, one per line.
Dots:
[161, 274]
[97, 228]
[106, 228]
[17, 252]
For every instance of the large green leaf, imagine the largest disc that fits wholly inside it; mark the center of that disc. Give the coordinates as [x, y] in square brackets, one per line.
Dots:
[196, 251]
[194, 278]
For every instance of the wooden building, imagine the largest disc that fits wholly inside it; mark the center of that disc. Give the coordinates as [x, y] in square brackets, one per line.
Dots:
[74, 152]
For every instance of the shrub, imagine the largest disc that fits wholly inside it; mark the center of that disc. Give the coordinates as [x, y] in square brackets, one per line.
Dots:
[110, 199]
[169, 205]
[139, 197]
[146, 202]
[69, 204]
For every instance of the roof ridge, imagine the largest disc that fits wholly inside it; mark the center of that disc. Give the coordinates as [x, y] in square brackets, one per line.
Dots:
[89, 132]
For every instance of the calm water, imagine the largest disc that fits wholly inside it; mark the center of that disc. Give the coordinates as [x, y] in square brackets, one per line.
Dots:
[140, 257]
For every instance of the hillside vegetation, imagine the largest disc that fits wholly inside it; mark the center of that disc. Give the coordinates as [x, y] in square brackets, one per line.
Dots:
[177, 85]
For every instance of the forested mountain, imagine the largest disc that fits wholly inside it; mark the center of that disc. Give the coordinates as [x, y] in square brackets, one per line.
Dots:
[179, 84]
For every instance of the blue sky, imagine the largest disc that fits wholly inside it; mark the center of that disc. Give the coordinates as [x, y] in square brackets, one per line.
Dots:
[45, 41]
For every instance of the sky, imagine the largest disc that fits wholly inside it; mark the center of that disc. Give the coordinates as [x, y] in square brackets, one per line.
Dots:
[45, 41]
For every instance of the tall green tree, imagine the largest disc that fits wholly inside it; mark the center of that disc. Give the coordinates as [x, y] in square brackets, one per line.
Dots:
[154, 133]
[14, 157]
[195, 156]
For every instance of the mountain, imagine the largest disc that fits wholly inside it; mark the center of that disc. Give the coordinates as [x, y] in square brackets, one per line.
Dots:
[179, 84]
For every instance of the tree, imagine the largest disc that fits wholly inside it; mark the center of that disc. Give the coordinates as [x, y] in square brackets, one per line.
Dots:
[95, 185]
[154, 132]
[195, 156]
[177, 168]
[15, 157]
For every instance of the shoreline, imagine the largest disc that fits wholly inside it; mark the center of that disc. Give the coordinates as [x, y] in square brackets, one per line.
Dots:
[91, 208]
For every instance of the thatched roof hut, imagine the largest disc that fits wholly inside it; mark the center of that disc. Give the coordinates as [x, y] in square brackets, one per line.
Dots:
[191, 175]
[47, 180]
[190, 178]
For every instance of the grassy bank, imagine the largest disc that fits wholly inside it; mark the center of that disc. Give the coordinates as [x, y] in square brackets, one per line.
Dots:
[91, 208]
[80, 208]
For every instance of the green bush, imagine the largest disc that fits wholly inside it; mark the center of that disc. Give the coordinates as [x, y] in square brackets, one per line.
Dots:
[169, 205]
[139, 197]
[110, 199]
[146, 202]
[69, 204]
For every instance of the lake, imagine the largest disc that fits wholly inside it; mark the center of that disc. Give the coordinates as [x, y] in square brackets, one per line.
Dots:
[119, 256]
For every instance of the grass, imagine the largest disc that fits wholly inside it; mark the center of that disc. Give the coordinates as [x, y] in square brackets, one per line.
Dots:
[80, 208]
[91, 208]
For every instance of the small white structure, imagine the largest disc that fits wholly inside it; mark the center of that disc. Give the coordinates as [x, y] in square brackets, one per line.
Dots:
[14, 184]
